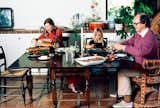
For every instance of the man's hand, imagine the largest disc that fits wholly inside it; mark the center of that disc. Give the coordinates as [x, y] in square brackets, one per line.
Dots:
[118, 47]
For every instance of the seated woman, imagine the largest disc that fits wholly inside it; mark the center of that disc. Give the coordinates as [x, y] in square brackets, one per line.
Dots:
[97, 40]
[52, 35]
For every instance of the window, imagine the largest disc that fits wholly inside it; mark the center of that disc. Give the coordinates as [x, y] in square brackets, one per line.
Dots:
[115, 4]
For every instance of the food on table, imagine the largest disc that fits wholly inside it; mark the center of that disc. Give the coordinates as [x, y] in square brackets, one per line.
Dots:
[92, 59]
[46, 44]
[37, 50]
[111, 57]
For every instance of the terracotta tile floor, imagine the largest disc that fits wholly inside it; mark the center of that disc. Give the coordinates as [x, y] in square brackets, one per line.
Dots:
[99, 97]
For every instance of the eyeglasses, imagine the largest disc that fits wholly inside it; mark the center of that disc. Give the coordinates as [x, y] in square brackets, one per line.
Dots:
[136, 23]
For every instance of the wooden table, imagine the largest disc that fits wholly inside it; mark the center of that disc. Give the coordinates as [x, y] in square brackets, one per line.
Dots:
[57, 62]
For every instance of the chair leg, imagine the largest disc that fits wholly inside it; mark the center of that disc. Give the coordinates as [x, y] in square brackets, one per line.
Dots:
[78, 100]
[23, 92]
[142, 93]
[62, 82]
[29, 80]
[48, 83]
[5, 83]
[0, 88]
[159, 96]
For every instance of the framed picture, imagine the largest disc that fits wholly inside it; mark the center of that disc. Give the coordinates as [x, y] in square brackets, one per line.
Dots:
[6, 18]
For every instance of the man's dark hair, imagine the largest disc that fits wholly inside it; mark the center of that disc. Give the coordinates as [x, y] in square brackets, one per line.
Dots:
[144, 19]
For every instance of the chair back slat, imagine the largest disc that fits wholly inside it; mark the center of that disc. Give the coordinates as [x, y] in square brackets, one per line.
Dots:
[2, 59]
[89, 39]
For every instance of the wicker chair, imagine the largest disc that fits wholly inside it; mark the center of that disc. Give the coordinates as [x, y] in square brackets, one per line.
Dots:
[148, 96]
[12, 75]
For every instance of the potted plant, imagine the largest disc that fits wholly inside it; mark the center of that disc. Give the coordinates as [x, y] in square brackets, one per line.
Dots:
[118, 23]
[123, 17]
[143, 6]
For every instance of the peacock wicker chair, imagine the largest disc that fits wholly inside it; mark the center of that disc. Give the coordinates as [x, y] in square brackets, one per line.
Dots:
[148, 95]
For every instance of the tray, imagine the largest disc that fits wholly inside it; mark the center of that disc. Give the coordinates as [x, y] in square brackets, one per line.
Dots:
[90, 60]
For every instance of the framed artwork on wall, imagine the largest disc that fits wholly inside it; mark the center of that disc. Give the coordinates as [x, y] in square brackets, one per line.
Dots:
[6, 18]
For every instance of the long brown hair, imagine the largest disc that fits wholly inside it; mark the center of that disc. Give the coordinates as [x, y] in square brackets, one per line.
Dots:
[51, 22]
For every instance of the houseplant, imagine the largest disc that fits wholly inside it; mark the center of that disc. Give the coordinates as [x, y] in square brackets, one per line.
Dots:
[124, 15]
[145, 6]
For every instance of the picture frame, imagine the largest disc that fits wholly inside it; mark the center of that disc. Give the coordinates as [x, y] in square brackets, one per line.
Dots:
[6, 18]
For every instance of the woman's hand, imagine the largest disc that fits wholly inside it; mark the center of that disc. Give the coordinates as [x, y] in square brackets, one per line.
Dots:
[46, 40]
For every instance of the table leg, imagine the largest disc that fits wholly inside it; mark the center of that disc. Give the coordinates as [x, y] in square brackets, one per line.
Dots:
[87, 76]
[29, 80]
[53, 87]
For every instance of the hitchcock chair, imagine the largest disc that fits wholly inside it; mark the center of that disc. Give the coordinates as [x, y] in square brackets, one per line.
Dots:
[148, 95]
[11, 79]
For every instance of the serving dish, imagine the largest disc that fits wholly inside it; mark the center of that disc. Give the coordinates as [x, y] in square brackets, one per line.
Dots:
[33, 56]
[120, 55]
[90, 60]
[43, 58]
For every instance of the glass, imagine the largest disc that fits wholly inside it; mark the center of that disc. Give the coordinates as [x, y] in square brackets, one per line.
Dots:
[56, 45]
[34, 42]
[70, 54]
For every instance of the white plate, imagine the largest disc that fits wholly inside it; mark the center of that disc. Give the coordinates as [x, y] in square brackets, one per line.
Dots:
[62, 49]
[121, 55]
[91, 60]
[43, 58]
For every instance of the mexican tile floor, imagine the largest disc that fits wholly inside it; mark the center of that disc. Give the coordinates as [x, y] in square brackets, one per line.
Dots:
[99, 96]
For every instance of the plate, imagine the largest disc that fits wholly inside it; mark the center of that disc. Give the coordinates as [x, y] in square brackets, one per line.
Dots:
[43, 58]
[62, 49]
[33, 56]
[96, 50]
[90, 60]
[121, 55]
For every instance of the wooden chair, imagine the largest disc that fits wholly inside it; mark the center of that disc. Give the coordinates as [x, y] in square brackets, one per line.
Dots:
[11, 79]
[88, 40]
[148, 96]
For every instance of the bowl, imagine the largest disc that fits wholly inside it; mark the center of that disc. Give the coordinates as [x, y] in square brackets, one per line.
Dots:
[93, 25]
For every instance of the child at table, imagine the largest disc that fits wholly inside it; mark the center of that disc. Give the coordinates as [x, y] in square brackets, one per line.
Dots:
[97, 40]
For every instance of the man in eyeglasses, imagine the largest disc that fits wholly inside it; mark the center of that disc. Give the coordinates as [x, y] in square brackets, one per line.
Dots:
[142, 45]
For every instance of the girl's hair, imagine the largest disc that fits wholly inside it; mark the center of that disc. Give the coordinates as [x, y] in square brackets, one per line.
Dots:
[97, 30]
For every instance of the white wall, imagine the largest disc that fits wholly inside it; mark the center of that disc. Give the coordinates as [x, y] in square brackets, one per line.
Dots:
[32, 13]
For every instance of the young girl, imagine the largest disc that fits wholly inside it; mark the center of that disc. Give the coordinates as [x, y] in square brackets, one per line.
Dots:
[97, 40]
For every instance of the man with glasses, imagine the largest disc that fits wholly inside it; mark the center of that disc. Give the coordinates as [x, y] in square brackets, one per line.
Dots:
[142, 45]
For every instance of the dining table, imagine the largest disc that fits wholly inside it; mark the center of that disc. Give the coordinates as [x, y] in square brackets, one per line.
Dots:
[58, 62]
